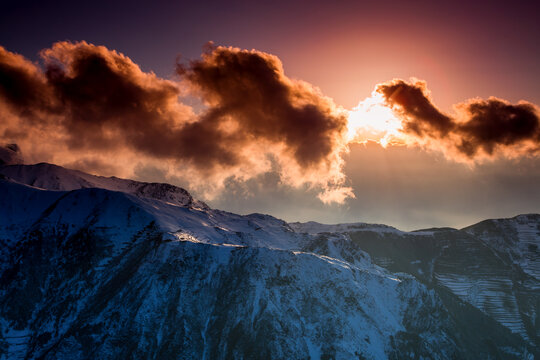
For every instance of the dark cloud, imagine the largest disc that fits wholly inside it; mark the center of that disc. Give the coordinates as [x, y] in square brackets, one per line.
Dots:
[108, 102]
[479, 127]
[414, 104]
[23, 87]
[91, 101]
[495, 123]
[251, 88]
[96, 99]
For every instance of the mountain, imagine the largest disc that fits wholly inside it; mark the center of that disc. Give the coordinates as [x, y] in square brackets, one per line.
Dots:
[53, 177]
[95, 267]
[492, 265]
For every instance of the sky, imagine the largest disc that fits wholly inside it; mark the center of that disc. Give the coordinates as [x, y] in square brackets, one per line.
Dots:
[260, 121]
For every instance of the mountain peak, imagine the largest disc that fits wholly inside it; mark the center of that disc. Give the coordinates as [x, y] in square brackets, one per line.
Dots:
[53, 177]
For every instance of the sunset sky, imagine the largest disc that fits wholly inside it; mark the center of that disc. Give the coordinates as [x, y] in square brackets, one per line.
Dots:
[258, 121]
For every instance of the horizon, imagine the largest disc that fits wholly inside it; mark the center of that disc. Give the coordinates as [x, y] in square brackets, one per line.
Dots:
[293, 221]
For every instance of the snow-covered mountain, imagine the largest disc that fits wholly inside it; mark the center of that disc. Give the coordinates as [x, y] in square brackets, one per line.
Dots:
[53, 177]
[492, 265]
[95, 267]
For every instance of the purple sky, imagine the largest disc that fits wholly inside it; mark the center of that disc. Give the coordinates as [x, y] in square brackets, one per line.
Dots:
[462, 48]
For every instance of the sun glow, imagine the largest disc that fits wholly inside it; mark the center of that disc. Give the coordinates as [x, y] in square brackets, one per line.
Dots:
[372, 120]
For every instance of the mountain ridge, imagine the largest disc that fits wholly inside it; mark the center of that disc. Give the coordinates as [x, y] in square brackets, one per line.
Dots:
[36, 177]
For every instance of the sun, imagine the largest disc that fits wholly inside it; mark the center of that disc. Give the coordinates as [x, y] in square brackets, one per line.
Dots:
[372, 120]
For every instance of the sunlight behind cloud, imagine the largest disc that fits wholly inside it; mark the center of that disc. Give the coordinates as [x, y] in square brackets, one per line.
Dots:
[372, 120]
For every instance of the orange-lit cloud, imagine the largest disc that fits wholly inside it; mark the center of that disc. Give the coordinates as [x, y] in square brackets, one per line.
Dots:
[93, 107]
[480, 128]
[251, 88]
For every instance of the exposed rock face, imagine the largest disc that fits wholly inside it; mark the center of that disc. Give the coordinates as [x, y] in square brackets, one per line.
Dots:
[95, 267]
[10, 155]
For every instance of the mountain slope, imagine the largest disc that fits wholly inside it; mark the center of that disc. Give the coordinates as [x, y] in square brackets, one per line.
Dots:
[490, 265]
[90, 272]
